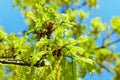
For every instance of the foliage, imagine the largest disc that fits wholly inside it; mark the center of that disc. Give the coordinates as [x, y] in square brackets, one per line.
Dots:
[55, 46]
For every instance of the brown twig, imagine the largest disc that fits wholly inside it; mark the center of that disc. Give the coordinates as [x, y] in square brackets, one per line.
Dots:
[107, 37]
[103, 46]
[17, 62]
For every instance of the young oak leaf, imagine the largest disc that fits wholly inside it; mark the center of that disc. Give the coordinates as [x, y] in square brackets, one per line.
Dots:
[36, 57]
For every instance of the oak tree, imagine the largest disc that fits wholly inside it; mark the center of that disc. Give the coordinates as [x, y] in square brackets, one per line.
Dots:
[57, 44]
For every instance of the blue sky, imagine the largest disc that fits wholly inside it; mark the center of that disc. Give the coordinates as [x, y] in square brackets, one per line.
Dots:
[12, 20]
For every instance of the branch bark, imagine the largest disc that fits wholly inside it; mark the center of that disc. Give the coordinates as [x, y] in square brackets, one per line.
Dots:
[17, 62]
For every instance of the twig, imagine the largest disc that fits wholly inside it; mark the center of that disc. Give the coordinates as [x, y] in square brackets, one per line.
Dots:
[107, 37]
[104, 67]
[17, 62]
[79, 6]
[103, 46]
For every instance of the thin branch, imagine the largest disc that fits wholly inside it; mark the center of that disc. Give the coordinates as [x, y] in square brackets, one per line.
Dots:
[104, 67]
[77, 7]
[17, 62]
[113, 42]
[107, 37]
[99, 47]
[21, 33]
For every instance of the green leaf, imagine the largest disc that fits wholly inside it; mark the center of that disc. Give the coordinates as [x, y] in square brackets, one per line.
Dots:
[79, 40]
[83, 64]
[83, 14]
[92, 3]
[82, 39]
[115, 22]
[2, 35]
[82, 71]
[96, 23]
[37, 56]
[76, 50]
[85, 60]
[27, 54]
[68, 70]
